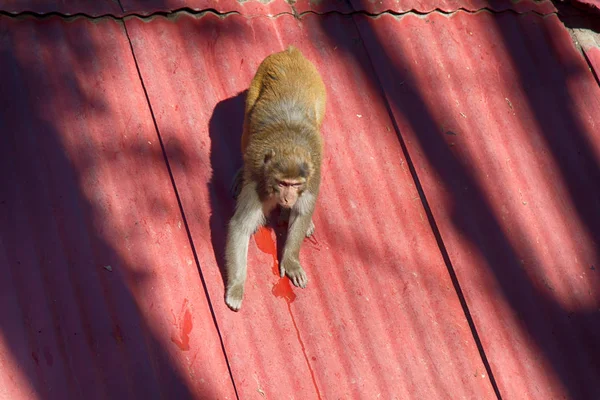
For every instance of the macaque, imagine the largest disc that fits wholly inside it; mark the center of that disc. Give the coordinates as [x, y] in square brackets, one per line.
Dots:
[282, 152]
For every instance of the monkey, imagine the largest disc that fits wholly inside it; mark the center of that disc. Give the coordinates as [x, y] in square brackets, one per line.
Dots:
[282, 151]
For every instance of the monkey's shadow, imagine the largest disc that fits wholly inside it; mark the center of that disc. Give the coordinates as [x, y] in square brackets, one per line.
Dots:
[225, 131]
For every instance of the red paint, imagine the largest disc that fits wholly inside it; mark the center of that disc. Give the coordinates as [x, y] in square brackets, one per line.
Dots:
[283, 289]
[266, 243]
[185, 327]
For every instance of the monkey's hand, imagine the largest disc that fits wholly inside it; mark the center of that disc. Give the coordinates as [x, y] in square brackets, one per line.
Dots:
[234, 297]
[311, 229]
[294, 271]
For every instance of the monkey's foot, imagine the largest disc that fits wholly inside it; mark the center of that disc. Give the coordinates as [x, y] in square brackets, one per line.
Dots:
[311, 229]
[236, 185]
[234, 297]
[295, 272]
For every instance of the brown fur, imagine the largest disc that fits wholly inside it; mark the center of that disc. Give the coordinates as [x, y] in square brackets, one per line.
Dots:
[282, 150]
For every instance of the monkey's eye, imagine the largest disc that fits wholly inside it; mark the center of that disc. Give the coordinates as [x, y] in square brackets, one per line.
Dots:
[289, 184]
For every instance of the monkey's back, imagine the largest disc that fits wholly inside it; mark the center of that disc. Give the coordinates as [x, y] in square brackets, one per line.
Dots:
[287, 89]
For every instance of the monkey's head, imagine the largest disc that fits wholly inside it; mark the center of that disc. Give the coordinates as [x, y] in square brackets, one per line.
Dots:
[287, 175]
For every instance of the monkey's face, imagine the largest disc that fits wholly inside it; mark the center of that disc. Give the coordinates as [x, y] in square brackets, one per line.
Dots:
[287, 178]
[288, 191]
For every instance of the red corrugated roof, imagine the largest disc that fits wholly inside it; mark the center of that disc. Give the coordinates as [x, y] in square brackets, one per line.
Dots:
[273, 7]
[370, 317]
[120, 8]
[457, 231]
[100, 295]
[499, 115]
[426, 6]
[92, 8]
[247, 7]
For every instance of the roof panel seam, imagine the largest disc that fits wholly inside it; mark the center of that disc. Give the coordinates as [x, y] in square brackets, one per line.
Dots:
[200, 13]
[436, 10]
[121, 17]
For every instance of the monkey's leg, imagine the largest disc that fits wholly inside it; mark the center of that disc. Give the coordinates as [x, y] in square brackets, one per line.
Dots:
[247, 218]
[290, 265]
[236, 184]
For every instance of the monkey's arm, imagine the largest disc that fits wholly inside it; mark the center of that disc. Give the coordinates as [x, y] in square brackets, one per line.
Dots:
[247, 218]
[237, 182]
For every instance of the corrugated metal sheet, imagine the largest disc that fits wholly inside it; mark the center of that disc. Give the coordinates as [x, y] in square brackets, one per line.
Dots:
[274, 7]
[92, 8]
[100, 297]
[380, 317]
[500, 116]
[247, 7]
[426, 6]
[98, 8]
[343, 6]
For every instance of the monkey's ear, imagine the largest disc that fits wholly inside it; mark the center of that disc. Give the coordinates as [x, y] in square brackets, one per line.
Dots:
[268, 156]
